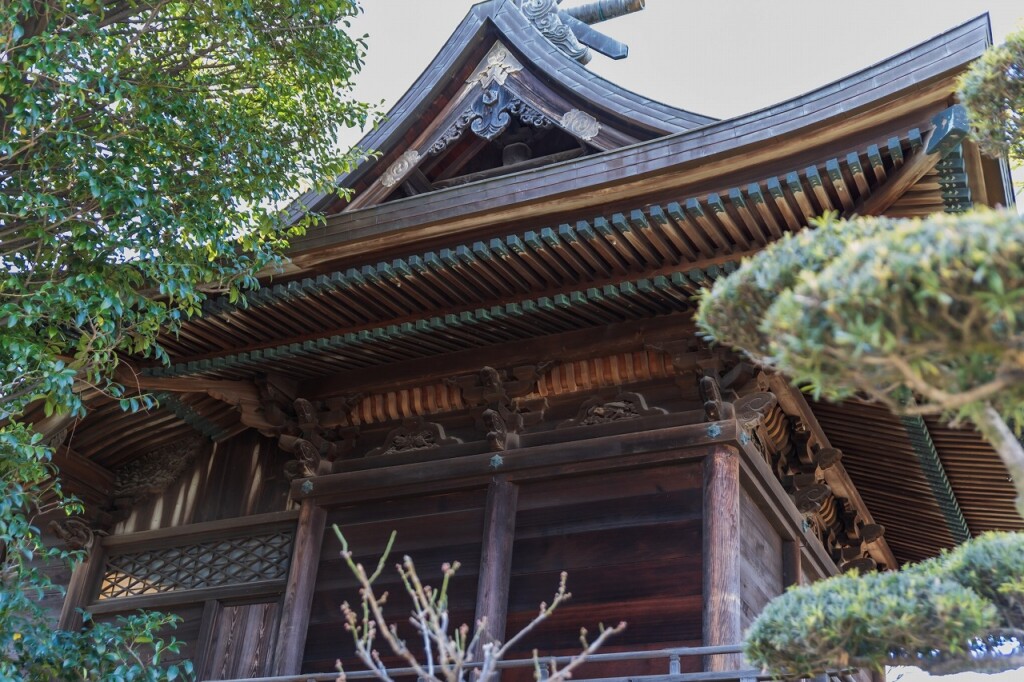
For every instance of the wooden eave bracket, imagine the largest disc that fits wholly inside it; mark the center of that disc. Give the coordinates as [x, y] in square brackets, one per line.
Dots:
[949, 129]
[245, 396]
[794, 404]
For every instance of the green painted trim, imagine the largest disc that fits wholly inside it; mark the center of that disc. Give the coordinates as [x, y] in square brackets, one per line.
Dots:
[956, 198]
[931, 466]
[956, 193]
[190, 416]
[595, 306]
[547, 241]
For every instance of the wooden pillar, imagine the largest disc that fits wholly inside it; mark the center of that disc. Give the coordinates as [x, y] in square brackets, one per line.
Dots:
[496, 558]
[722, 624]
[298, 595]
[82, 587]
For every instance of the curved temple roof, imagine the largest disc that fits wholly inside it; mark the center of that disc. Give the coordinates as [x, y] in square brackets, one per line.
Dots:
[611, 244]
[502, 20]
[911, 86]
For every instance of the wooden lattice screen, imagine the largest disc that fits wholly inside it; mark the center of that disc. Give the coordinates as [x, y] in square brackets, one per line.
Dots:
[214, 563]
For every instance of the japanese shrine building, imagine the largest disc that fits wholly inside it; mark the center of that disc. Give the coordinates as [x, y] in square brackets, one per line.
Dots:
[490, 349]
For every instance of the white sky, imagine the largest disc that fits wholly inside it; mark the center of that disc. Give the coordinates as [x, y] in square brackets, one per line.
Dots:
[720, 59]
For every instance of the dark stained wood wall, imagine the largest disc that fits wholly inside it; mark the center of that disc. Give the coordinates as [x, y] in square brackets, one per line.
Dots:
[239, 641]
[432, 530]
[631, 544]
[239, 477]
[761, 560]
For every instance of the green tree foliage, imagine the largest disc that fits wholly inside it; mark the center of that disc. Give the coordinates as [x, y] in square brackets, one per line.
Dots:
[993, 92]
[146, 150]
[961, 611]
[891, 309]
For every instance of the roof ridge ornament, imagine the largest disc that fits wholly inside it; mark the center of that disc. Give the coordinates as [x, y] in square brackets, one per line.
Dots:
[569, 29]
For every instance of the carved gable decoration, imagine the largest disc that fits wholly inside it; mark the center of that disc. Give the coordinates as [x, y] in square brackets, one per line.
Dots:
[622, 407]
[492, 105]
[414, 434]
[155, 471]
[76, 533]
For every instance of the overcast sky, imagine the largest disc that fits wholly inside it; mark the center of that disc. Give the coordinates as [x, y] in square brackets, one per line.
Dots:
[721, 59]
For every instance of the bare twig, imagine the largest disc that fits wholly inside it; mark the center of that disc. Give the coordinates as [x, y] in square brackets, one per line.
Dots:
[449, 652]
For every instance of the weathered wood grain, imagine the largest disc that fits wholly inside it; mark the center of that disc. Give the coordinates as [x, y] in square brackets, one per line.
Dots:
[496, 559]
[722, 567]
[298, 595]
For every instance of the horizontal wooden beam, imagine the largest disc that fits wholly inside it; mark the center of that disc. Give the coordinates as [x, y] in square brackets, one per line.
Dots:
[198, 532]
[612, 452]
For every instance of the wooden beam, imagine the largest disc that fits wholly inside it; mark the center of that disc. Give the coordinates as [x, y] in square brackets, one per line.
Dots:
[975, 174]
[672, 444]
[89, 481]
[879, 201]
[298, 595]
[82, 588]
[496, 559]
[722, 605]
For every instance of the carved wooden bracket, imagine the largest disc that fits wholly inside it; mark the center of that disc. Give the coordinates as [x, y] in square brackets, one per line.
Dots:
[490, 385]
[314, 445]
[624, 406]
[414, 434]
[503, 393]
[76, 533]
[711, 393]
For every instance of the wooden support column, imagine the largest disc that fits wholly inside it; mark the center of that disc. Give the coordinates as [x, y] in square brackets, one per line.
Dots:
[722, 607]
[496, 558]
[82, 587]
[298, 595]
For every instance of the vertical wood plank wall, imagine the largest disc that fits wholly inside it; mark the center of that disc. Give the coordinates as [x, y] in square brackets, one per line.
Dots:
[432, 530]
[631, 544]
[239, 477]
[761, 553]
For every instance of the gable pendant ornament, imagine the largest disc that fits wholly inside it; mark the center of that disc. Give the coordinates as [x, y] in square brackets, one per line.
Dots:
[496, 67]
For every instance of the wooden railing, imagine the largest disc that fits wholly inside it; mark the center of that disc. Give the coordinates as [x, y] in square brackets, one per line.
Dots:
[672, 669]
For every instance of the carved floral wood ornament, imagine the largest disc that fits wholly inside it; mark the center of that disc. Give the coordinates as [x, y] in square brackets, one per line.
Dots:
[155, 472]
[622, 407]
[414, 434]
[580, 124]
[497, 66]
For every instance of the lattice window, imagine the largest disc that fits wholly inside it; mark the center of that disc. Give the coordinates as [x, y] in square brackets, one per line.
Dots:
[214, 563]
